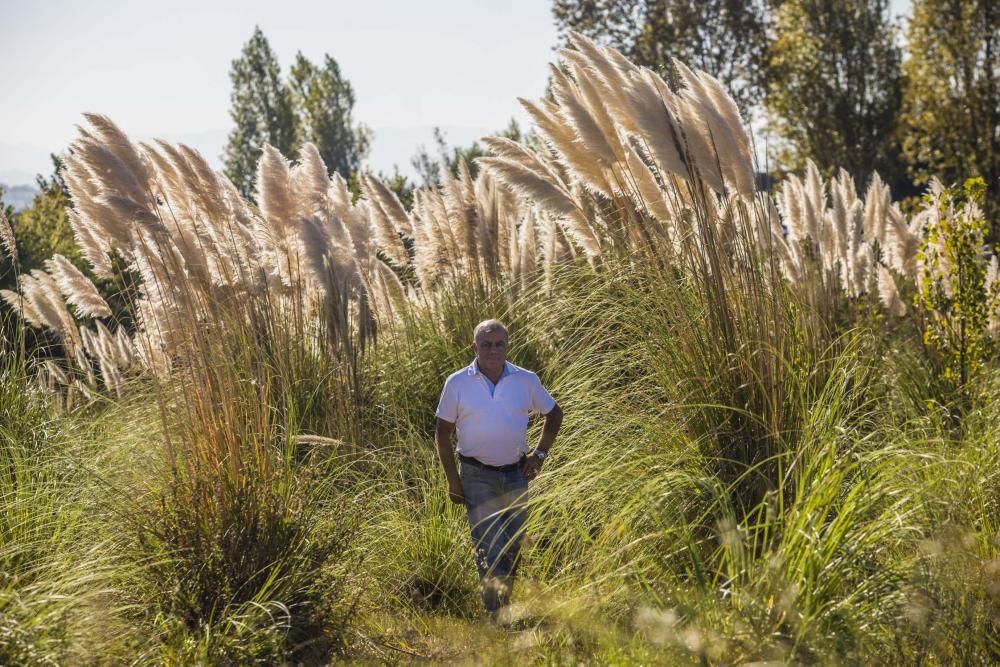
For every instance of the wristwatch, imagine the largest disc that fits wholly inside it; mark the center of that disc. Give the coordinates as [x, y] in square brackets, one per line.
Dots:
[539, 454]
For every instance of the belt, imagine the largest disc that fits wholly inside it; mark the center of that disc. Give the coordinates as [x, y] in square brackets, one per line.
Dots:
[468, 460]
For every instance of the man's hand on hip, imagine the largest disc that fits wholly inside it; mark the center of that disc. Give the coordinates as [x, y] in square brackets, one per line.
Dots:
[456, 493]
[532, 466]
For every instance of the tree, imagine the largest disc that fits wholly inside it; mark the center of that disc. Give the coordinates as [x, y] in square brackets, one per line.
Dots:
[322, 101]
[726, 38]
[261, 111]
[43, 227]
[314, 105]
[951, 109]
[835, 88]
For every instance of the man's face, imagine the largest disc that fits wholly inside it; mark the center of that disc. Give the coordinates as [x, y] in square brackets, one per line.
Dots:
[491, 350]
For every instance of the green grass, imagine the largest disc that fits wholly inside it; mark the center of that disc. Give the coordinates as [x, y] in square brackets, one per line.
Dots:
[711, 499]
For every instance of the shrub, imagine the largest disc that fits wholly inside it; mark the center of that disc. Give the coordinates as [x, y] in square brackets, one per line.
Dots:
[959, 294]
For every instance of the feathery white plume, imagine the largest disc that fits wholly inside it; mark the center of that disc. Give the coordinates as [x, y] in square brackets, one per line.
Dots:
[388, 203]
[57, 373]
[41, 289]
[877, 202]
[7, 237]
[728, 133]
[310, 182]
[815, 199]
[651, 106]
[609, 78]
[118, 143]
[22, 306]
[94, 248]
[889, 294]
[391, 288]
[561, 138]
[575, 110]
[274, 188]
[645, 190]
[312, 249]
[790, 204]
[386, 230]
[77, 287]
[546, 194]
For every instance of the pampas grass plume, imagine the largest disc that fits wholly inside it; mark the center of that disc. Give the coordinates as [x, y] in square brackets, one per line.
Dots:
[388, 202]
[273, 186]
[23, 306]
[547, 195]
[7, 239]
[563, 140]
[889, 294]
[576, 111]
[310, 182]
[651, 110]
[647, 191]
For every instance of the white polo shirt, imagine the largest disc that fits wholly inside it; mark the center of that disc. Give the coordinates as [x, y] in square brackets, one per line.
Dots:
[493, 428]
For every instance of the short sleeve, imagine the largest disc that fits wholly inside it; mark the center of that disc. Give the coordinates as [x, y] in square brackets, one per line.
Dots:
[448, 404]
[541, 401]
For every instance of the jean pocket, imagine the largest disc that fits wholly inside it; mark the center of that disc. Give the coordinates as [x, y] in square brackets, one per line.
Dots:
[476, 486]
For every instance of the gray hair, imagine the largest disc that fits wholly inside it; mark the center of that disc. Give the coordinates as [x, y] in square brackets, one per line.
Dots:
[487, 326]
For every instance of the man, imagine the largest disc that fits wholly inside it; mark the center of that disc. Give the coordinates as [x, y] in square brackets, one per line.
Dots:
[488, 403]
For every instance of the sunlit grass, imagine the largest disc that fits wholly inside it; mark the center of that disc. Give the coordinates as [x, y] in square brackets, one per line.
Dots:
[875, 536]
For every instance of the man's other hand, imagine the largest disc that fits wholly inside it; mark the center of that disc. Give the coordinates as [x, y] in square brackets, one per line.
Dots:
[532, 466]
[456, 493]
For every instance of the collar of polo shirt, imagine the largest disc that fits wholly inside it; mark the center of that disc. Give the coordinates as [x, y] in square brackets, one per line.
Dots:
[507, 368]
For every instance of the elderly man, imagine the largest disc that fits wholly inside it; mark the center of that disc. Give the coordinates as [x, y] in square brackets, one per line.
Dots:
[488, 403]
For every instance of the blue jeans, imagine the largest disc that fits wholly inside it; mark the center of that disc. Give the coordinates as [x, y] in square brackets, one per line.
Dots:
[496, 505]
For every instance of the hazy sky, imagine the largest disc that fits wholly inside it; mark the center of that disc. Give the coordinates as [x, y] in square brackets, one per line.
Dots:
[162, 69]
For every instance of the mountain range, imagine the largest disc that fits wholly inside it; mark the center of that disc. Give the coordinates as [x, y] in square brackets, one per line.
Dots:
[18, 196]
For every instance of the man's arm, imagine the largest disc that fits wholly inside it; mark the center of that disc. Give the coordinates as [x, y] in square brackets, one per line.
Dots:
[550, 429]
[442, 436]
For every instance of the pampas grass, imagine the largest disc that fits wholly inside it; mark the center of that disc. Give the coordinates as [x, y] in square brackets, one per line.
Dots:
[550, 195]
[7, 239]
[388, 221]
[749, 464]
[622, 164]
[889, 293]
[40, 290]
[387, 203]
[24, 307]
[77, 288]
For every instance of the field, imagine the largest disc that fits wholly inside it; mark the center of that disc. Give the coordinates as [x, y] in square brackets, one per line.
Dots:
[780, 440]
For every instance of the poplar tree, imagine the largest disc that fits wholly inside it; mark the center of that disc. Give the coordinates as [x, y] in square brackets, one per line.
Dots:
[261, 112]
[322, 101]
[313, 105]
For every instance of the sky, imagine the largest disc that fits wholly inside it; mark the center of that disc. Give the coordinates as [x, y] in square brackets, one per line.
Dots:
[162, 69]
